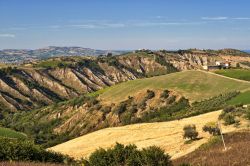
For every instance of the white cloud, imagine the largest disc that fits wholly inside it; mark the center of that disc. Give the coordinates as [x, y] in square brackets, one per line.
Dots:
[148, 24]
[98, 25]
[87, 26]
[17, 28]
[8, 35]
[241, 18]
[214, 18]
[114, 25]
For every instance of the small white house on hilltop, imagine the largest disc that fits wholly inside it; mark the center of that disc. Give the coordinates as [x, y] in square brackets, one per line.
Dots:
[217, 63]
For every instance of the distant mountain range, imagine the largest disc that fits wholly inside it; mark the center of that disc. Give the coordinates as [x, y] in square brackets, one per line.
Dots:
[247, 51]
[17, 56]
[22, 55]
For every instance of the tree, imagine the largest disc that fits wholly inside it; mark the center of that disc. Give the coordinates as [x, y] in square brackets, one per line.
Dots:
[229, 109]
[190, 132]
[165, 94]
[229, 119]
[129, 155]
[150, 94]
[155, 156]
[212, 128]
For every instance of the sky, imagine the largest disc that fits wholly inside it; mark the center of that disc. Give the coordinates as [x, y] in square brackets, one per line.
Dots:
[125, 24]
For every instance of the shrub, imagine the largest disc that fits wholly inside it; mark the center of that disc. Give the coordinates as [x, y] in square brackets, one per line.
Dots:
[128, 156]
[121, 108]
[229, 109]
[190, 132]
[229, 119]
[23, 150]
[247, 116]
[171, 99]
[155, 156]
[212, 128]
[150, 94]
[165, 94]
[126, 118]
[106, 109]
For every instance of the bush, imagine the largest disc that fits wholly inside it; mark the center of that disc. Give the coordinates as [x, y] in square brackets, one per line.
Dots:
[129, 155]
[190, 132]
[212, 128]
[155, 156]
[150, 94]
[121, 108]
[171, 99]
[229, 119]
[229, 109]
[106, 109]
[247, 116]
[165, 94]
[23, 150]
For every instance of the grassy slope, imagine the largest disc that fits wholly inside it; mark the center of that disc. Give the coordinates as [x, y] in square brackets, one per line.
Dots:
[243, 98]
[194, 85]
[167, 135]
[4, 132]
[242, 74]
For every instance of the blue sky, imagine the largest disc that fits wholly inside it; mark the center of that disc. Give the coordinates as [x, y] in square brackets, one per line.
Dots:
[125, 24]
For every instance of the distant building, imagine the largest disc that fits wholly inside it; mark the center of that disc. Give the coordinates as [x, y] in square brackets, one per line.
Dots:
[218, 65]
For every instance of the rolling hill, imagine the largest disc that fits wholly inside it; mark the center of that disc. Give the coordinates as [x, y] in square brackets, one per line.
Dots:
[36, 84]
[41, 83]
[167, 135]
[5, 132]
[23, 55]
[161, 98]
[194, 85]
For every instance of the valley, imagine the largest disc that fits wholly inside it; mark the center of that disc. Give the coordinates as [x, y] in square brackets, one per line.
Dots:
[106, 99]
[124, 83]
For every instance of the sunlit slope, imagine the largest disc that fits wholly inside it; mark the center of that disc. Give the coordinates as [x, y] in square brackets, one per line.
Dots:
[167, 135]
[194, 85]
[4, 132]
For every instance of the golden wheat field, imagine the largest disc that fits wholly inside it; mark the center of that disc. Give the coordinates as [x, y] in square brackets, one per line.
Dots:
[167, 135]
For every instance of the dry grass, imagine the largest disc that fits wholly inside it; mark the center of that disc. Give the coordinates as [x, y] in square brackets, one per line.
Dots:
[167, 135]
[237, 154]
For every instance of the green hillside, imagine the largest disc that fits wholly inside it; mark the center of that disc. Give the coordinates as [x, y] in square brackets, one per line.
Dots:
[5, 132]
[194, 85]
[242, 98]
[242, 74]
